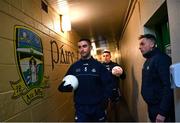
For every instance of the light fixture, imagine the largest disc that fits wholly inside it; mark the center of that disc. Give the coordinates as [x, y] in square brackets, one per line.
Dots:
[93, 51]
[66, 23]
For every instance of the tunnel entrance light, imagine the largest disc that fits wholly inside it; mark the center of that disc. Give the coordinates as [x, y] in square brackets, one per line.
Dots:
[66, 23]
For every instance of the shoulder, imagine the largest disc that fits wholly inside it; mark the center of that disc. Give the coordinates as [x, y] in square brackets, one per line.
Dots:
[75, 63]
[161, 57]
[114, 63]
[97, 62]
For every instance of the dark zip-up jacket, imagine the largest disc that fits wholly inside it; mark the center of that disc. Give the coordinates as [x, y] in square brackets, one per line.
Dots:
[95, 83]
[109, 66]
[156, 86]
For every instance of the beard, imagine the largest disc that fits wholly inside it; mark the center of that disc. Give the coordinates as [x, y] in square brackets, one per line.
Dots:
[85, 55]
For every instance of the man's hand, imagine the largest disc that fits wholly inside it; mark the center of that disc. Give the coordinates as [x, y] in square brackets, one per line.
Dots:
[115, 95]
[160, 118]
[117, 71]
[67, 88]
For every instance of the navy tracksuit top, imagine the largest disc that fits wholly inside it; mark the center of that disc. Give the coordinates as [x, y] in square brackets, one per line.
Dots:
[109, 66]
[95, 83]
[156, 86]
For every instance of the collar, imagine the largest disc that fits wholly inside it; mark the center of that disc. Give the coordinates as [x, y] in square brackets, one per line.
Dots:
[151, 53]
[87, 60]
[107, 63]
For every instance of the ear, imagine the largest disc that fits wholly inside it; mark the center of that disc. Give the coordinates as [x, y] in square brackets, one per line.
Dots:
[152, 44]
[110, 55]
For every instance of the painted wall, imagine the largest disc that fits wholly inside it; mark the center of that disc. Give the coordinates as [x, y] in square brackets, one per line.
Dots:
[148, 8]
[27, 32]
[131, 57]
[174, 26]
[132, 61]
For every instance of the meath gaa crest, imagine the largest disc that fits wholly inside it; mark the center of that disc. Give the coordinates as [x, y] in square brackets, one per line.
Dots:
[30, 62]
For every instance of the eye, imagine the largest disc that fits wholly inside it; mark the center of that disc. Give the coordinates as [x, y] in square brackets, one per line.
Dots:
[141, 43]
[84, 46]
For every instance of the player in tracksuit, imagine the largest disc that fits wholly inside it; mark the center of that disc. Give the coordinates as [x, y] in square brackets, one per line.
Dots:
[109, 66]
[116, 95]
[95, 86]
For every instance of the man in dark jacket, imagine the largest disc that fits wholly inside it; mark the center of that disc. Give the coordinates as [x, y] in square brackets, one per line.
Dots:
[116, 96]
[95, 86]
[156, 88]
[109, 66]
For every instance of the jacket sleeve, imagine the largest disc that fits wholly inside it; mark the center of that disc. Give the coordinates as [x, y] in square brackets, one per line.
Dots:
[70, 70]
[167, 98]
[123, 75]
[67, 88]
[107, 82]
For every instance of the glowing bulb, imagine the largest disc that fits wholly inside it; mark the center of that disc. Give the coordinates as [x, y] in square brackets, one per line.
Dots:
[66, 23]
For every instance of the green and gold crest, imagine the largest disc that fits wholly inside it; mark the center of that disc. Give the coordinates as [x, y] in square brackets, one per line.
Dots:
[30, 62]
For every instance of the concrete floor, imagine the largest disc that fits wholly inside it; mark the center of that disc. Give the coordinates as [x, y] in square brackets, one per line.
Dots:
[119, 112]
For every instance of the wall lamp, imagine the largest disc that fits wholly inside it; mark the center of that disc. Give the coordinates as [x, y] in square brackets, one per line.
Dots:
[65, 23]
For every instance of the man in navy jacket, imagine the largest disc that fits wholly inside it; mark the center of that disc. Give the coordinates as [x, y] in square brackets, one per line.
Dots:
[116, 95]
[95, 85]
[109, 66]
[156, 88]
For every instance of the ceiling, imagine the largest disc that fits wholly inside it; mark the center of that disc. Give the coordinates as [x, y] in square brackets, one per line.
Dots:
[99, 20]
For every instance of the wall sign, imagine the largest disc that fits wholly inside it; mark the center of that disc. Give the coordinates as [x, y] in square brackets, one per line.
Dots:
[30, 63]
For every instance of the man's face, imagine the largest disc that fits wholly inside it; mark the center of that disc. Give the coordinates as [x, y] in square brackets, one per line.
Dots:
[145, 45]
[84, 49]
[106, 57]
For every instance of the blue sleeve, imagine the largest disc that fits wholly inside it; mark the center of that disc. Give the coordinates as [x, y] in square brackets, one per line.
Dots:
[123, 75]
[167, 98]
[67, 88]
[70, 71]
[107, 82]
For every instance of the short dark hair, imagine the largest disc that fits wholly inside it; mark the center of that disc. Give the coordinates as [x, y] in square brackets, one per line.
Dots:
[148, 36]
[85, 39]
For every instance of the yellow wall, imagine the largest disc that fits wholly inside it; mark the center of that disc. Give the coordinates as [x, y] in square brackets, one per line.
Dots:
[131, 57]
[174, 27]
[53, 106]
[132, 60]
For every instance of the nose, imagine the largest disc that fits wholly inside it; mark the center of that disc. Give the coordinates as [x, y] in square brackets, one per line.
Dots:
[140, 47]
[81, 49]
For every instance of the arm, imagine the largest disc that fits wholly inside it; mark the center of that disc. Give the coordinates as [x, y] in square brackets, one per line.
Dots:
[67, 88]
[167, 98]
[123, 75]
[107, 81]
[108, 84]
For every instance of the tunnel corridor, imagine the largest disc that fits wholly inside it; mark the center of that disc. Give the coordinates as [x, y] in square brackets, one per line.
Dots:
[120, 113]
[38, 43]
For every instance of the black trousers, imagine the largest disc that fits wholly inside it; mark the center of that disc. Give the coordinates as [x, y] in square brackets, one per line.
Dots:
[90, 113]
